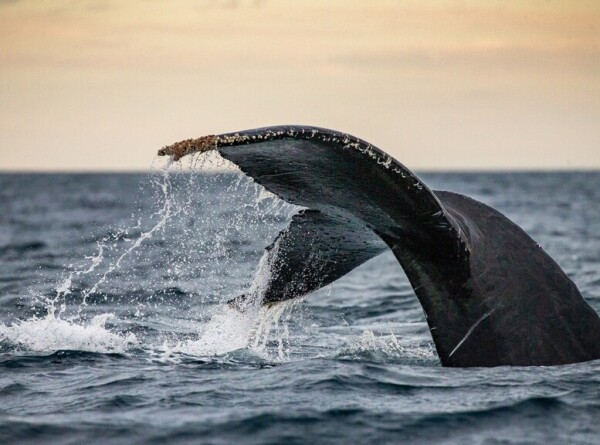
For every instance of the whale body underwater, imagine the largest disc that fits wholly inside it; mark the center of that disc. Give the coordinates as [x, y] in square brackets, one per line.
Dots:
[490, 294]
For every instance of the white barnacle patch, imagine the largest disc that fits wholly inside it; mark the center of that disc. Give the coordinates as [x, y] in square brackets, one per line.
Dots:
[364, 149]
[386, 161]
[369, 152]
[235, 138]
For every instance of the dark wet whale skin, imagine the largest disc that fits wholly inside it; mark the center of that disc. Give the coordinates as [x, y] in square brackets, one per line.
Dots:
[531, 313]
[491, 295]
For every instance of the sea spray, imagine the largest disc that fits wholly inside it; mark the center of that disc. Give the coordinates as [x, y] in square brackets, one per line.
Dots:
[164, 214]
[200, 243]
[247, 324]
[263, 331]
[385, 348]
[105, 244]
[57, 331]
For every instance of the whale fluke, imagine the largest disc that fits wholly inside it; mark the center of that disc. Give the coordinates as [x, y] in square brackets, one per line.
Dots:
[490, 294]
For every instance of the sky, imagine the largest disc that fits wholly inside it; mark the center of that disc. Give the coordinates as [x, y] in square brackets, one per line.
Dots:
[440, 85]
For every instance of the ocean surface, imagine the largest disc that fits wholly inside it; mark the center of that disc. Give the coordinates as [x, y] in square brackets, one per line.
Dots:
[113, 327]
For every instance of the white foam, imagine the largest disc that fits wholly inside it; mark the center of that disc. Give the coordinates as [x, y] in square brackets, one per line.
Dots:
[230, 330]
[368, 342]
[50, 334]
[250, 327]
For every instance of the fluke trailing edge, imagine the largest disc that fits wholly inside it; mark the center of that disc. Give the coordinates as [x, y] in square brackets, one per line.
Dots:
[491, 295]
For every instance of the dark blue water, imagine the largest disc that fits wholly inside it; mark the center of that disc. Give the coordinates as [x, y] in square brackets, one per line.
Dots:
[113, 328]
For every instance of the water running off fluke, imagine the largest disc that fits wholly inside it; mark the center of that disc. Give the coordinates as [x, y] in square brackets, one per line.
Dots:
[490, 294]
[193, 242]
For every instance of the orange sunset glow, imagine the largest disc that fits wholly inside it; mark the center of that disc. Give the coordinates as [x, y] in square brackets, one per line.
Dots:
[100, 85]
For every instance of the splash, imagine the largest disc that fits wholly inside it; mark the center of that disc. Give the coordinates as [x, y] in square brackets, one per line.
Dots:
[263, 332]
[164, 214]
[192, 236]
[55, 331]
[385, 347]
[247, 326]
[51, 334]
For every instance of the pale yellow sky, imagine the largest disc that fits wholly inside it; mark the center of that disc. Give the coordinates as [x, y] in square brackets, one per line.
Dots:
[100, 84]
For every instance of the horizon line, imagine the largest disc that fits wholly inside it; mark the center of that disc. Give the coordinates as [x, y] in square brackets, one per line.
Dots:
[231, 170]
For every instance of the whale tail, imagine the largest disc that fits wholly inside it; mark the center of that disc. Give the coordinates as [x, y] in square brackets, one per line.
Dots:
[491, 295]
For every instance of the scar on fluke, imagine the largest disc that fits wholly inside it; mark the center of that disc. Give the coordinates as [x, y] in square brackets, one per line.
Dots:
[189, 146]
